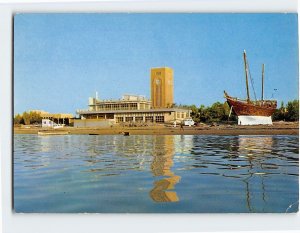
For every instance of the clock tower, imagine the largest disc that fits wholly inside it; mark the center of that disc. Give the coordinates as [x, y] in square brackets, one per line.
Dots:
[162, 87]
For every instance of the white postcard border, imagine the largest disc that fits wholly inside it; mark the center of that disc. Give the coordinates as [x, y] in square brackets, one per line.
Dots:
[48, 223]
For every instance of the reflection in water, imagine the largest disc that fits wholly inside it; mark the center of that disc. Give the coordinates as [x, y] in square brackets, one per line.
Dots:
[251, 148]
[161, 191]
[163, 153]
[253, 160]
[183, 143]
[193, 173]
[258, 145]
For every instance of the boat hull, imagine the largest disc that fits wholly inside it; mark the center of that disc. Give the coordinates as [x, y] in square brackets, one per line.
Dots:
[259, 108]
[43, 133]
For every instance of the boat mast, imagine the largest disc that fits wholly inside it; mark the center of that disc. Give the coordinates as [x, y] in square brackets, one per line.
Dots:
[262, 82]
[246, 72]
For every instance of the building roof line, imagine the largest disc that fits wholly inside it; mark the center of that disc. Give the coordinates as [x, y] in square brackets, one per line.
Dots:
[162, 67]
[134, 111]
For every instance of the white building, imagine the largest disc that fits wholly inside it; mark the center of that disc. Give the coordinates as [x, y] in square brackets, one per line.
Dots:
[46, 123]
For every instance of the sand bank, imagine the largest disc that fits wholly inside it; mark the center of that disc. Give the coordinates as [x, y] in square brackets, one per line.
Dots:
[275, 129]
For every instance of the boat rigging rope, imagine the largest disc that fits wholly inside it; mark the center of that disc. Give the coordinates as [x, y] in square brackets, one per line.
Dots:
[252, 81]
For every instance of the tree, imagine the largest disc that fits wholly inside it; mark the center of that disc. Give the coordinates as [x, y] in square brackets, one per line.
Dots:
[18, 119]
[279, 114]
[26, 118]
[204, 114]
[35, 118]
[217, 112]
[195, 113]
[292, 110]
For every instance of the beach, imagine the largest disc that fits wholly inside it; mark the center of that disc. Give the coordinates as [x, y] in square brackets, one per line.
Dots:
[278, 128]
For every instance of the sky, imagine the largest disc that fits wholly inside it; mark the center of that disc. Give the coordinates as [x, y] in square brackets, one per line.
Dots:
[60, 60]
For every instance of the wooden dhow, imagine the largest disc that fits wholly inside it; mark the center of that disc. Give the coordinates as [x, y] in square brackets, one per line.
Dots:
[251, 112]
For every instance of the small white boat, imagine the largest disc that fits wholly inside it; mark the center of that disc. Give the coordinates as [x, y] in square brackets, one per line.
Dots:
[45, 133]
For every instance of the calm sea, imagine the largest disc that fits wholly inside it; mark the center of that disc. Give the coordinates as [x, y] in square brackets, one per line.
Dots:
[156, 174]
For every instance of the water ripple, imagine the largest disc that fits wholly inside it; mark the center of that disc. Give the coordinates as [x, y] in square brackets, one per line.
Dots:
[138, 173]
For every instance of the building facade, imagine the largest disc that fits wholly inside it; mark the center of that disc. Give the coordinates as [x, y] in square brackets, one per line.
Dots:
[136, 109]
[57, 118]
[162, 87]
[133, 109]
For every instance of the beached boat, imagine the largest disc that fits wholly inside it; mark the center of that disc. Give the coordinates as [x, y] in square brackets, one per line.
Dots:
[251, 112]
[251, 108]
[46, 133]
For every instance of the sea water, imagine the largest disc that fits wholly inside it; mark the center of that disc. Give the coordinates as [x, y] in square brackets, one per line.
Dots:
[155, 174]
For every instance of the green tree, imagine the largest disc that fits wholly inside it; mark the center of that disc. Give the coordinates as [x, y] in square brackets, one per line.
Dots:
[18, 119]
[195, 113]
[26, 118]
[218, 112]
[204, 114]
[35, 118]
[292, 108]
[279, 114]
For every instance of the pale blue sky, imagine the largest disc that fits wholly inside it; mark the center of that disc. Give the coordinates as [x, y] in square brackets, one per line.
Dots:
[62, 59]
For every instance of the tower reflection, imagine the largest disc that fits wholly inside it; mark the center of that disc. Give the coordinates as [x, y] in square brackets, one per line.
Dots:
[254, 149]
[163, 153]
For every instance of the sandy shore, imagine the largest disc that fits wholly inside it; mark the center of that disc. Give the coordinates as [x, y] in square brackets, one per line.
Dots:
[278, 128]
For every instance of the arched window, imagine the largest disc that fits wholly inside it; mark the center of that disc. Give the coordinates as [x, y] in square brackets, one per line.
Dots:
[158, 92]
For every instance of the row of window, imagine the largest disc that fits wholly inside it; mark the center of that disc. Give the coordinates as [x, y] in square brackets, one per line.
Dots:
[139, 114]
[159, 119]
[181, 114]
[127, 106]
[136, 114]
[140, 119]
[100, 116]
[144, 106]
[116, 106]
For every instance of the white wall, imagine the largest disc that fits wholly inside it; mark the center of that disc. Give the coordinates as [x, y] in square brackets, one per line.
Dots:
[254, 120]
[47, 123]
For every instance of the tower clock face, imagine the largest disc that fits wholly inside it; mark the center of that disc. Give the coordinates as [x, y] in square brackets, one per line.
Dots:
[157, 81]
[169, 82]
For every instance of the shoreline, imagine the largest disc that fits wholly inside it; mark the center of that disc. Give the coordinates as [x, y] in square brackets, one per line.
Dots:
[275, 129]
